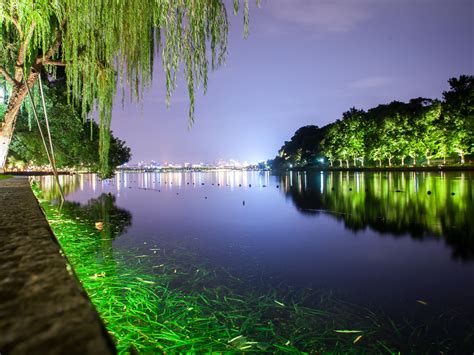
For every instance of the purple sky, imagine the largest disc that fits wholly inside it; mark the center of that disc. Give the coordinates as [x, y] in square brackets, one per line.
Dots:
[305, 62]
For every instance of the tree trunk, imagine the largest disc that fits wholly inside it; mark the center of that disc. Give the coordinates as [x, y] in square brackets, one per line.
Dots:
[340, 163]
[380, 163]
[461, 154]
[428, 157]
[355, 162]
[403, 160]
[19, 93]
[362, 161]
[330, 162]
[347, 163]
[389, 161]
[444, 159]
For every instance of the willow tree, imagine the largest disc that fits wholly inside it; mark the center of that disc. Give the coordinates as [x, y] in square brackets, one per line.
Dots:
[103, 43]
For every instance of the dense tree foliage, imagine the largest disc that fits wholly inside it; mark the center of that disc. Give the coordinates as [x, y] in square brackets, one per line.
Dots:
[102, 43]
[459, 115]
[303, 149]
[75, 143]
[390, 134]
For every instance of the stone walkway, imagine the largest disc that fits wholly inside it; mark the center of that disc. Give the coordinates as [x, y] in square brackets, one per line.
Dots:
[43, 308]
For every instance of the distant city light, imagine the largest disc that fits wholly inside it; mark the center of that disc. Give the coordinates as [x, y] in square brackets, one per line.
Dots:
[219, 164]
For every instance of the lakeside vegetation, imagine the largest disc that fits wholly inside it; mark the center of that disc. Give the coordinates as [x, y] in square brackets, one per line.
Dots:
[76, 142]
[394, 134]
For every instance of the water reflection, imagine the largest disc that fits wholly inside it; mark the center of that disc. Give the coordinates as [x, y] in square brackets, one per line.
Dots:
[69, 184]
[219, 178]
[101, 212]
[418, 204]
[294, 235]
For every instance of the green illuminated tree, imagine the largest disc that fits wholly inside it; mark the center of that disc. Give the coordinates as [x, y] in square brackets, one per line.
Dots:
[403, 137]
[458, 111]
[329, 143]
[102, 43]
[353, 122]
[335, 144]
[431, 135]
[376, 135]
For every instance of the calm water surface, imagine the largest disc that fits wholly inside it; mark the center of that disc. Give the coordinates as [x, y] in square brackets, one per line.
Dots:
[399, 243]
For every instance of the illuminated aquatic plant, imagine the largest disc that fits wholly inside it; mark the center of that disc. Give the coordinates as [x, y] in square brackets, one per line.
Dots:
[172, 302]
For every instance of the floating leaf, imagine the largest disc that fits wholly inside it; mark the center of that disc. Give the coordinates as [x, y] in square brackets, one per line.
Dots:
[234, 339]
[348, 331]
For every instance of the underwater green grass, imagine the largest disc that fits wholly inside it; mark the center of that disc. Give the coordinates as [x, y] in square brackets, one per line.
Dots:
[160, 303]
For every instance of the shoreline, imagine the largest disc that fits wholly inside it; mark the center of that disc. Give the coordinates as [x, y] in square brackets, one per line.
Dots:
[312, 169]
[383, 169]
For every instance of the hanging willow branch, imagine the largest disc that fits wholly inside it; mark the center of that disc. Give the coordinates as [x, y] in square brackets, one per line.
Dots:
[105, 42]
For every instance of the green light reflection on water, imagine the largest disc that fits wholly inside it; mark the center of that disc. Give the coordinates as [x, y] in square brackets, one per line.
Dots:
[418, 204]
[144, 309]
[158, 303]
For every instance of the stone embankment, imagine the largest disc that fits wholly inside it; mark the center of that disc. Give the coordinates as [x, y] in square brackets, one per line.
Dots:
[43, 308]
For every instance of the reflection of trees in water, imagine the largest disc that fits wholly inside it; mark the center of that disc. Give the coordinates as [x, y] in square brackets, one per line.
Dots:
[50, 190]
[87, 248]
[395, 203]
[102, 209]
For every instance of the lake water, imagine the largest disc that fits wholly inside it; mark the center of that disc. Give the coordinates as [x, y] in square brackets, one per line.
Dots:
[393, 246]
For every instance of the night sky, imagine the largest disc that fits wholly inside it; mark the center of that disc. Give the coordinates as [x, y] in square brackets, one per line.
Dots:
[304, 62]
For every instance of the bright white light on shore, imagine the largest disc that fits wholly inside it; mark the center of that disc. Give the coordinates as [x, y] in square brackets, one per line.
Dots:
[2, 94]
[321, 160]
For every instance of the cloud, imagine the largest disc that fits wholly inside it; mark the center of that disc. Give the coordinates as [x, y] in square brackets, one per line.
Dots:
[327, 15]
[370, 82]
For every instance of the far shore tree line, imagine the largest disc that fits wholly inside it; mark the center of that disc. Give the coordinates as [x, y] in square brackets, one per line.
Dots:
[394, 134]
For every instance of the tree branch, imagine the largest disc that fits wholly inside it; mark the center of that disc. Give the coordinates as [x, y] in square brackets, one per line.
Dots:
[7, 76]
[17, 25]
[29, 35]
[14, 20]
[57, 42]
[20, 61]
[58, 63]
[46, 58]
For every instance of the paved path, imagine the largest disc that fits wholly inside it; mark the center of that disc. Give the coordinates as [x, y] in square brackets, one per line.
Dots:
[43, 308]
